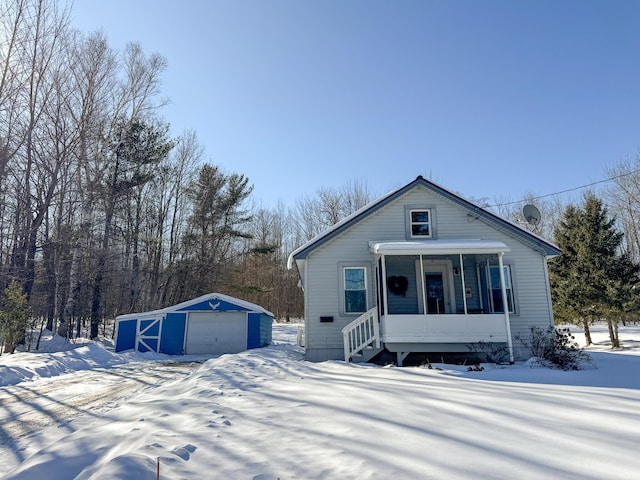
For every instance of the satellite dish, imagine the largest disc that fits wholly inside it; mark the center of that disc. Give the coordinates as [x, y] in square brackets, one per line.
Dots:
[531, 214]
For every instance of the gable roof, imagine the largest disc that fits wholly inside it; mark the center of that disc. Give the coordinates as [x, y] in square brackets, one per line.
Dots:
[208, 302]
[533, 240]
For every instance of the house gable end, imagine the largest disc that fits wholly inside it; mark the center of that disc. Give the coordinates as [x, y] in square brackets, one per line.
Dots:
[475, 211]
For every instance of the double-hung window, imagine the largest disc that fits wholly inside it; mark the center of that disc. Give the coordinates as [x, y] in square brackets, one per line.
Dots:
[420, 223]
[355, 289]
[496, 290]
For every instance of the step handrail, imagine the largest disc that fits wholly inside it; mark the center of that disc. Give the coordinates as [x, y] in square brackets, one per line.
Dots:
[362, 332]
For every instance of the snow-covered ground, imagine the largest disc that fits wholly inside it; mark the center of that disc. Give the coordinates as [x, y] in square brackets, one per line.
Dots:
[267, 414]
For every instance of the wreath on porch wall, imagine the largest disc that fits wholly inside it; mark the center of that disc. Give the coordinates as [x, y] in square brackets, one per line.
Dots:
[398, 284]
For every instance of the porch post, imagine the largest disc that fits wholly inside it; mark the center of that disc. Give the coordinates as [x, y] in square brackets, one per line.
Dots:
[384, 287]
[505, 305]
[464, 287]
[424, 294]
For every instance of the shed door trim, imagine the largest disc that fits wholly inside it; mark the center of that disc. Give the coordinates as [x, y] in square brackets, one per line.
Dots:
[141, 334]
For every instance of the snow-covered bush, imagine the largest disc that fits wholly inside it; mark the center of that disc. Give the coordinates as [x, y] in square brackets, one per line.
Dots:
[556, 347]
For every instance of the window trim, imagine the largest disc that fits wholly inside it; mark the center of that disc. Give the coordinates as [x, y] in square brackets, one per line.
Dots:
[408, 210]
[343, 288]
[413, 223]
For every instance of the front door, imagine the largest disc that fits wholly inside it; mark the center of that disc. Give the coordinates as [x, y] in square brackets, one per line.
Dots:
[434, 289]
[437, 283]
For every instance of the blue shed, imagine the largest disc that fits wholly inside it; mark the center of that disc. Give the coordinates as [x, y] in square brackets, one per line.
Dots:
[210, 324]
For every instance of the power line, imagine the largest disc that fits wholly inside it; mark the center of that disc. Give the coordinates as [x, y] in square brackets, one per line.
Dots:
[610, 179]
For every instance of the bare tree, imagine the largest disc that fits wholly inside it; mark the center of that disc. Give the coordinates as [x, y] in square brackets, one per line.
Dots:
[624, 200]
[264, 277]
[91, 71]
[551, 210]
[28, 95]
[139, 93]
[329, 206]
[89, 225]
[168, 208]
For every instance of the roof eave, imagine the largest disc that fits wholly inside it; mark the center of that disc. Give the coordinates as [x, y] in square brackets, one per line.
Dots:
[544, 247]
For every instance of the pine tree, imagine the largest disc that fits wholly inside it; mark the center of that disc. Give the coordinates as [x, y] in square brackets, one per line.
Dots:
[218, 221]
[135, 149]
[594, 278]
[14, 316]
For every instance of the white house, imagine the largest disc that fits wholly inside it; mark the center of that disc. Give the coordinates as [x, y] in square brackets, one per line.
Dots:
[418, 270]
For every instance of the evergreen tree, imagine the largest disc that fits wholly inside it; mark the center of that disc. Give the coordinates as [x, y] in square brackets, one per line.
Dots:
[135, 150]
[218, 221]
[594, 278]
[14, 316]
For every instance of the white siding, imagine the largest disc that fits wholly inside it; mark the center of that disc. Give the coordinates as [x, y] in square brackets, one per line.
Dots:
[451, 221]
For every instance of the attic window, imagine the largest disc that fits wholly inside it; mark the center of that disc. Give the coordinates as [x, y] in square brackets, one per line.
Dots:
[420, 223]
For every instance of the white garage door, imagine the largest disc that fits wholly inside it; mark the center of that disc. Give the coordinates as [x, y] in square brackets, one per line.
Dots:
[210, 332]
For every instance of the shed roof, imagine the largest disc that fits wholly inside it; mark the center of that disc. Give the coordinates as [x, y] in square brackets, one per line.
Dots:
[208, 302]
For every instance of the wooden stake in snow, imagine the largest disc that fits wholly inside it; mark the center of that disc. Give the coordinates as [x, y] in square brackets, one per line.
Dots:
[158, 468]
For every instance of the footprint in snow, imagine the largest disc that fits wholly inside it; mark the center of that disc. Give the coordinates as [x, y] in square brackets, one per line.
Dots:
[184, 452]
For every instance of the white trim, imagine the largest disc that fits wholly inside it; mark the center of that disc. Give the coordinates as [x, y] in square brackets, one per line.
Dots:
[142, 336]
[464, 285]
[437, 266]
[506, 308]
[438, 247]
[252, 307]
[383, 286]
[428, 223]
[345, 290]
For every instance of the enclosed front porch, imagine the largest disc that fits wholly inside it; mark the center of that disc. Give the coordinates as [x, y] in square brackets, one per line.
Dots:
[435, 295]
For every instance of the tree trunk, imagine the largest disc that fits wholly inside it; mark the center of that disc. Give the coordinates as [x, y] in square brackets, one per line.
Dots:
[102, 256]
[48, 259]
[97, 296]
[74, 289]
[613, 333]
[587, 332]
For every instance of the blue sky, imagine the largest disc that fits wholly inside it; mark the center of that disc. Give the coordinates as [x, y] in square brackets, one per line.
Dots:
[491, 99]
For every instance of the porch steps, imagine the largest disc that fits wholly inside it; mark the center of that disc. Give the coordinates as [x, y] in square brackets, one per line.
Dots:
[362, 337]
[366, 354]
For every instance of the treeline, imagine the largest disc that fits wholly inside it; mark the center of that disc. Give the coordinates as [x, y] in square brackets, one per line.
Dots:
[102, 210]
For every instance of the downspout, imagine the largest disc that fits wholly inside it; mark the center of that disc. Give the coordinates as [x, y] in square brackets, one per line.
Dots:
[505, 305]
[549, 299]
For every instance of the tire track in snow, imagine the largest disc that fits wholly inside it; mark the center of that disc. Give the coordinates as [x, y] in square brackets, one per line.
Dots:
[27, 408]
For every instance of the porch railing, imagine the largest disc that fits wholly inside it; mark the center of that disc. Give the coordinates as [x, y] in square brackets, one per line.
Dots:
[361, 333]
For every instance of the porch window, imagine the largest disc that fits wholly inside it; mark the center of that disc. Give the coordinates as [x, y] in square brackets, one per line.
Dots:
[496, 292]
[355, 290]
[420, 223]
